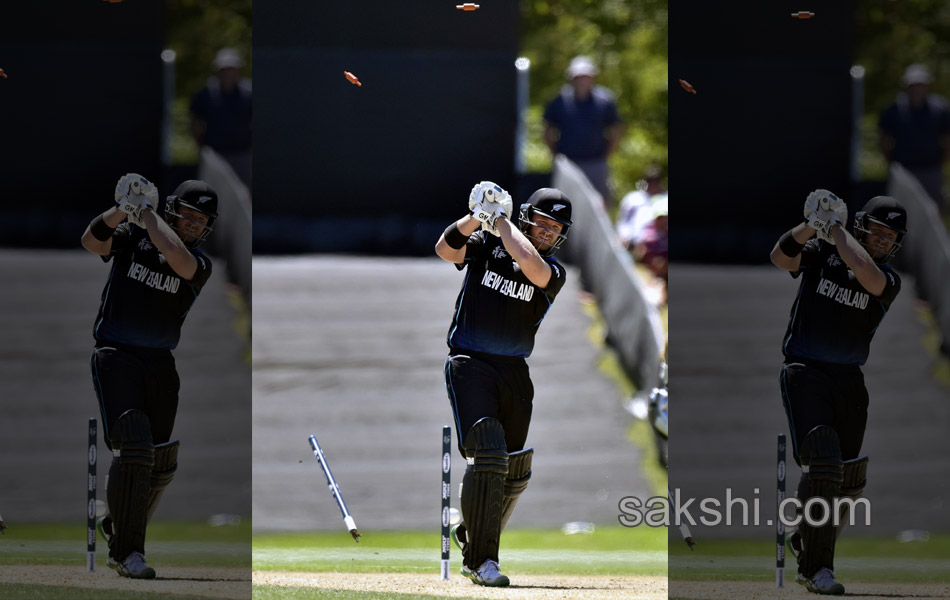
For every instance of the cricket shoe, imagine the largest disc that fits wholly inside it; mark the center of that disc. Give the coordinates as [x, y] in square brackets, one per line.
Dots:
[133, 567]
[104, 527]
[459, 537]
[487, 574]
[823, 582]
[793, 543]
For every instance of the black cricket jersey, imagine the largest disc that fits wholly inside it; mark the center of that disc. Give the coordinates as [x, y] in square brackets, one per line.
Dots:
[145, 301]
[499, 310]
[834, 318]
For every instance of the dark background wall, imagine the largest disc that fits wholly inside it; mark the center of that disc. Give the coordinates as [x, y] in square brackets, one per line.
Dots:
[81, 106]
[385, 166]
[771, 120]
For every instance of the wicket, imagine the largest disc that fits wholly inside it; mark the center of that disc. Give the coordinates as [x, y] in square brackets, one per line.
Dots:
[91, 500]
[684, 528]
[446, 496]
[779, 524]
[334, 488]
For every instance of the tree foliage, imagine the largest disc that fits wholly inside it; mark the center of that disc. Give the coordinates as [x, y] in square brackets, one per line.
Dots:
[196, 30]
[889, 36]
[628, 42]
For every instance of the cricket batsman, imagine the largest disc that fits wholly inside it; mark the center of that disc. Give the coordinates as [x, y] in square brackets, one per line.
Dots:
[846, 289]
[511, 280]
[157, 273]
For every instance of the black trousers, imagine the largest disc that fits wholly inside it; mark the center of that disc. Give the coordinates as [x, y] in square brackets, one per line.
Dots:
[482, 385]
[128, 377]
[816, 393]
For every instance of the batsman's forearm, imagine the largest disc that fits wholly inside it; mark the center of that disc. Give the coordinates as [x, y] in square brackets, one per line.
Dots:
[113, 217]
[803, 232]
[169, 244]
[859, 261]
[516, 243]
[468, 224]
[852, 253]
[790, 259]
[525, 254]
[164, 238]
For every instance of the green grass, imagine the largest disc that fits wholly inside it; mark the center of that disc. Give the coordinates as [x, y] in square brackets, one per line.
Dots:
[55, 592]
[296, 593]
[611, 550]
[178, 544]
[640, 432]
[932, 339]
[872, 560]
[168, 543]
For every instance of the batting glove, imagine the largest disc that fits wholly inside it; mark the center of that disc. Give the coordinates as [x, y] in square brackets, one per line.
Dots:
[485, 215]
[495, 194]
[475, 198]
[500, 214]
[822, 221]
[837, 207]
[133, 184]
[133, 208]
[815, 199]
[815, 221]
[487, 192]
[489, 214]
[822, 210]
[133, 194]
[504, 203]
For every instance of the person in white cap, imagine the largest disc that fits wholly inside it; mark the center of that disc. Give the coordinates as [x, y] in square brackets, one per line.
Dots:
[221, 113]
[583, 124]
[915, 132]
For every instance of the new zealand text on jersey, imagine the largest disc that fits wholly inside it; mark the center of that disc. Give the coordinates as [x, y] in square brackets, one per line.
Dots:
[166, 283]
[521, 291]
[842, 295]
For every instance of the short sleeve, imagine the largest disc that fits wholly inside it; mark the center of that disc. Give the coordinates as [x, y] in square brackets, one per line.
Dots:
[558, 278]
[810, 256]
[552, 112]
[202, 273]
[892, 286]
[473, 248]
[886, 122]
[120, 240]
[199, 104]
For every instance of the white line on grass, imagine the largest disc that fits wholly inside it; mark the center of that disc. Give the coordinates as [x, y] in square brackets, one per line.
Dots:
[281, 557]
[748, 563]
[59, 547]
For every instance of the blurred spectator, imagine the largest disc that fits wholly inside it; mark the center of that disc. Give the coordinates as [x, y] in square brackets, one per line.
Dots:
[915, 132]
[221, 113]
[635, 212]
[582, 124]
[651, 247]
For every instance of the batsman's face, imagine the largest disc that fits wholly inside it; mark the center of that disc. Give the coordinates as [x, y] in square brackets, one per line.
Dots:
[191, 224]
[544, 232]
[879, 240]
